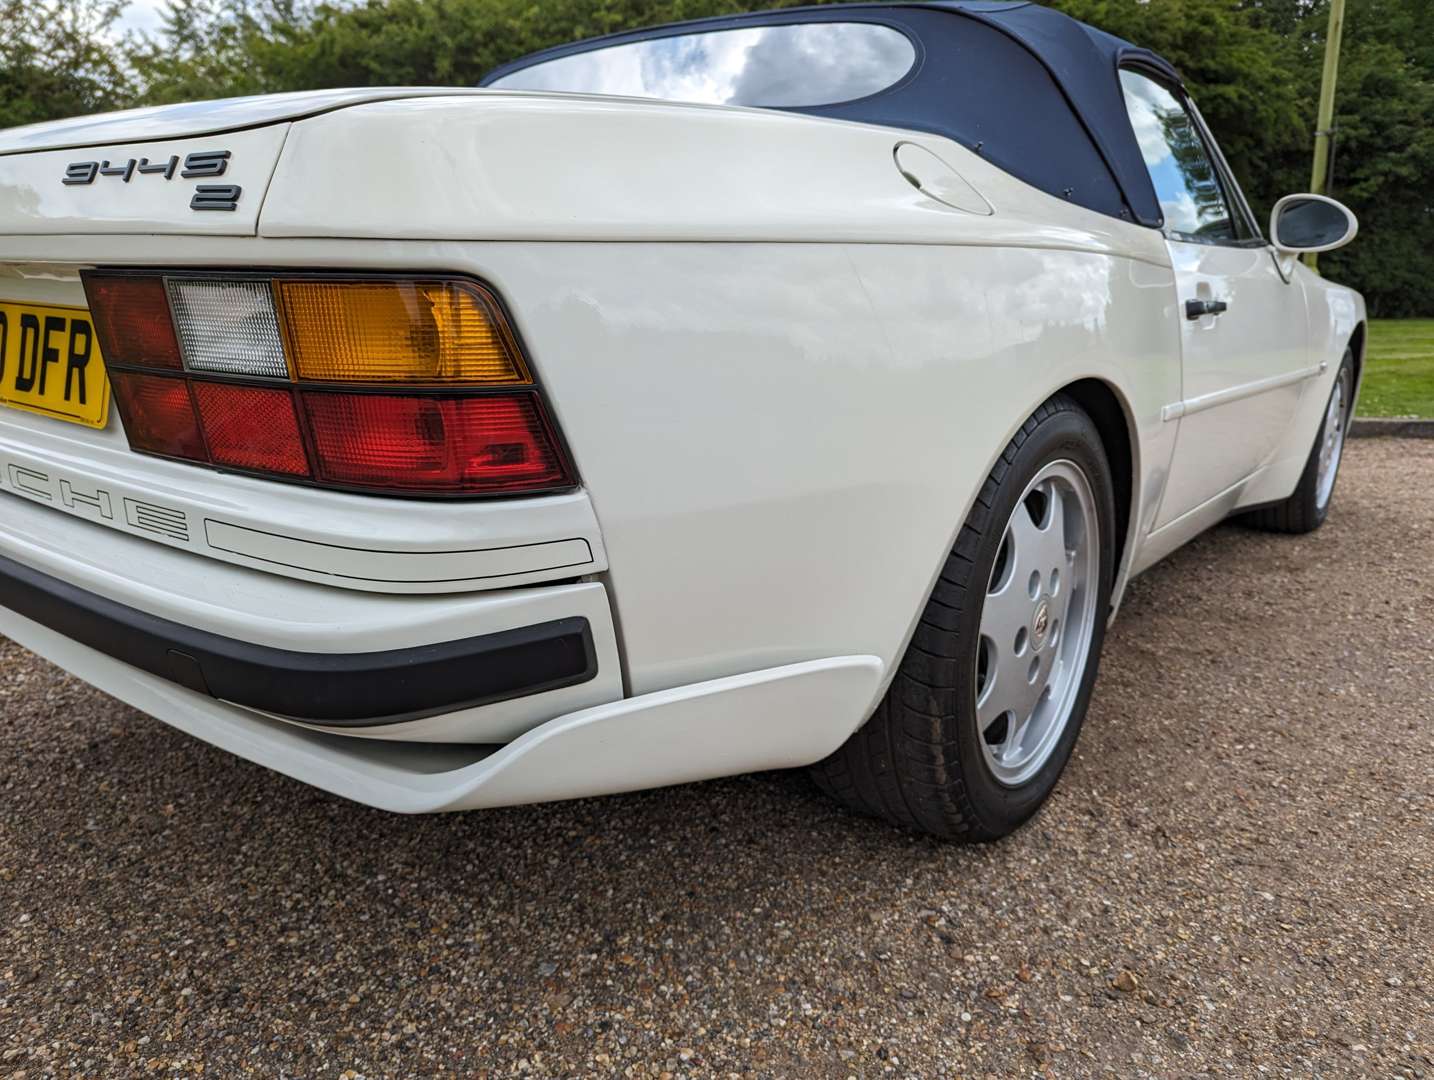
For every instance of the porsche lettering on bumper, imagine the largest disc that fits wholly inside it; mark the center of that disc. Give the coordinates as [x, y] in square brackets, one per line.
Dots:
[95, 503]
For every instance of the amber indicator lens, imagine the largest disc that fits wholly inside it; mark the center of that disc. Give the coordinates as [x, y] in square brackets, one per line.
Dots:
[397, 331]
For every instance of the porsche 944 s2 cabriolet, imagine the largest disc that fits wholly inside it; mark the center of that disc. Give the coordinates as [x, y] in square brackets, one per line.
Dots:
[792, 389]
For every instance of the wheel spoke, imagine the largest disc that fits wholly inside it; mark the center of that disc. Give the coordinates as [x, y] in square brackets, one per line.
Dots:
[1054, 547]
[1027, 540]
[1055, 513]
[1007, 612]
[1051, 677]
[1031, 689]
[1011, 749]
[992, 706]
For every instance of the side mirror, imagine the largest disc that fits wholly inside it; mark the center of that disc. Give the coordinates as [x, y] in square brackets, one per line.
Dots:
[1307, 224]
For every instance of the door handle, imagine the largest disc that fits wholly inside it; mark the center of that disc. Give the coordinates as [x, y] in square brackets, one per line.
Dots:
[1195, 309]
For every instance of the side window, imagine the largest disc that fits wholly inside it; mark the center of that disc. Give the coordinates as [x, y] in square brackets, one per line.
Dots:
[787, 65]
[1186, 180]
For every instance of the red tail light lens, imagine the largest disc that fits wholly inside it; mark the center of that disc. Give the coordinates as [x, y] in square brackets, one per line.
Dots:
[496, 442]
[132, 320]
[158, 414]
[461, 414]
[252, 427]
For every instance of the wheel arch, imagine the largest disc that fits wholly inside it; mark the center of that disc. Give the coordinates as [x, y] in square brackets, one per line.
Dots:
[1111, 415]
[1357, 342]
[1110, 411]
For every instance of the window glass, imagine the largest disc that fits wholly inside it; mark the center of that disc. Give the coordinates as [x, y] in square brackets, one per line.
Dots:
[1186, 182]
[787, 66]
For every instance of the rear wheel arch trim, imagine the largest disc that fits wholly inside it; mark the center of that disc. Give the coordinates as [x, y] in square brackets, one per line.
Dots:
[1058, 429]
[1111, 413]
[1358, 342]
[1126, 508]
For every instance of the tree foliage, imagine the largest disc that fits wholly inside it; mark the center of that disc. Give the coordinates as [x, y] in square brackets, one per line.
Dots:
[1384, 159]
[60, 58]
[1253, 65]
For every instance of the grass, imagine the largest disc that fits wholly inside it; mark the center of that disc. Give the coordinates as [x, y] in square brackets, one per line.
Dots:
[1399, 376]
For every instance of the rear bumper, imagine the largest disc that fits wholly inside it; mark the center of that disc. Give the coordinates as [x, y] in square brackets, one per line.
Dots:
[109, 608]
[476, 667]
[776, 718]
[335, 689]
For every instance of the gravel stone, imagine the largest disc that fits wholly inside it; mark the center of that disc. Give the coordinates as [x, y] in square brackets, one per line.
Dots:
[1246, 830]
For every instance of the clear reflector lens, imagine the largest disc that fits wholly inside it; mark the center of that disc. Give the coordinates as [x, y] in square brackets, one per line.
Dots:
[398, 331]
[228, 326]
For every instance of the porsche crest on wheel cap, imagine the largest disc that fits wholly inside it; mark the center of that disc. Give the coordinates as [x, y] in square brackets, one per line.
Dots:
[1042, 622]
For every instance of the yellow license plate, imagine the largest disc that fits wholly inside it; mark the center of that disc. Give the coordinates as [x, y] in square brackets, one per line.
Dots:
[50, 363]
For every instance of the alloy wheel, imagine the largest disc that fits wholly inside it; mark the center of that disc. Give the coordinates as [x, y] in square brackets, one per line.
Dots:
[1037, 622]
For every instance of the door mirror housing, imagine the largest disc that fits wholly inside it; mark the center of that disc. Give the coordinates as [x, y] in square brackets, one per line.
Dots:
[1308, 224]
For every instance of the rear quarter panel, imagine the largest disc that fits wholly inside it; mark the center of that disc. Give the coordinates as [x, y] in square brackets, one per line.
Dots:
[781, 441]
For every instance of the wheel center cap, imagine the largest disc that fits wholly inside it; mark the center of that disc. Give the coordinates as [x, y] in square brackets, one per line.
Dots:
[1040, 623]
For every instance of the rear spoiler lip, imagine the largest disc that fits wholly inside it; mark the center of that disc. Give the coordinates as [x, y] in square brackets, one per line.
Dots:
[160, 123]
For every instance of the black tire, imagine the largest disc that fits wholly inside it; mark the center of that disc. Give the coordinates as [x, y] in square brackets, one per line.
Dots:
[1302, 512]
[918, 761]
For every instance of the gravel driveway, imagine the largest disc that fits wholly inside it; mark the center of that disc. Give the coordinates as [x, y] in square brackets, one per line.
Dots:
[1236, 877]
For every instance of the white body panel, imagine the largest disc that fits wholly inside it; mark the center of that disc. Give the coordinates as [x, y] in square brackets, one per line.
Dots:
[1243, 371]
[204, 118]
[33, 199]
[707, 173]
[783, 372]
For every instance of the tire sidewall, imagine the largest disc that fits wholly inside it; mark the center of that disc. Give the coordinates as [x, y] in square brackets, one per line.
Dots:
[1067, 434]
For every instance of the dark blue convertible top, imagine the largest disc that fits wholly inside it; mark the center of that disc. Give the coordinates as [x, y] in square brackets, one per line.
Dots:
[1030, 89]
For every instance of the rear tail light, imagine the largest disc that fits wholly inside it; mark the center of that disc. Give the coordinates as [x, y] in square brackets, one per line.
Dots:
[251, 427]
[132, 321]
[399, 386]
[159, 414]
[426, 331]
[228, 326]
[432, 443]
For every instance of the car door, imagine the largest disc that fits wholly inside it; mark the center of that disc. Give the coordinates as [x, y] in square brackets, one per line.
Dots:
[1242, 324]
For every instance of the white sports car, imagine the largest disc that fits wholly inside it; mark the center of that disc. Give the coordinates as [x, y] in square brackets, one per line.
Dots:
[792, 389]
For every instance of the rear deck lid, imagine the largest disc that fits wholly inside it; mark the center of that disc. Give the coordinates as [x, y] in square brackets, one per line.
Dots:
[198, 168]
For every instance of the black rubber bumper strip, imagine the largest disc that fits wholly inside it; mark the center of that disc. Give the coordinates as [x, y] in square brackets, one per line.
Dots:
[344, 689]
